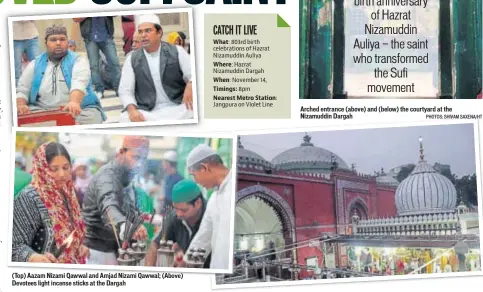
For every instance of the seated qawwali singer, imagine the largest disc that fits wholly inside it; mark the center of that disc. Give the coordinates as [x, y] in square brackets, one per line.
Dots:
[59, 78]
[156, 78]
[182, 223]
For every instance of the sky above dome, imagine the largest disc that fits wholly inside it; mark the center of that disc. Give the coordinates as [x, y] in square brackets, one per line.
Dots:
[371, 149]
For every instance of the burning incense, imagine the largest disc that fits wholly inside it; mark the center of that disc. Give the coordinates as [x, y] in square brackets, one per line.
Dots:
[66, 244]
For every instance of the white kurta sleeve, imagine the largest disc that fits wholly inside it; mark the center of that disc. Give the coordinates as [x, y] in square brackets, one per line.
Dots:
[184, 63]
[127, 84]
[224, 230]
[204, 235]
[25, 82]
[81, 75]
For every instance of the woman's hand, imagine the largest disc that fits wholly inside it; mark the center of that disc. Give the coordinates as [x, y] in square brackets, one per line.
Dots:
[42, 258]
[84, 251]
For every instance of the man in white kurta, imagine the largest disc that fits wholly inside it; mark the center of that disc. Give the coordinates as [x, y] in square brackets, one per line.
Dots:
[214, 234]
[164, 108]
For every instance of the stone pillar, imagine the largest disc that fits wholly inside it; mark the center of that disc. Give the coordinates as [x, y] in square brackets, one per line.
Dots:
[75, 35]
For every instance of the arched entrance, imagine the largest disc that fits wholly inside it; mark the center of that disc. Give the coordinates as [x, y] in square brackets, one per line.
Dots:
[357, 206]
[262, 216]
[257, 225]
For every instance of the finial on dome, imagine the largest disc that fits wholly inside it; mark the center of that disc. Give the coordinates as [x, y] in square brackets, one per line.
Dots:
[421, 149]
[307, 139]
[239, 143]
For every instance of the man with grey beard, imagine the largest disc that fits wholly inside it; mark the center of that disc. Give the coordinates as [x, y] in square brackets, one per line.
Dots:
[57, 79]
[110, 196]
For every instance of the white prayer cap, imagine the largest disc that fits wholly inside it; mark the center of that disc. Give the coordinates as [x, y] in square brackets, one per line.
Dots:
[19, 158]
[147, 18]
[81, 161]
[170, 156]
[199, 153]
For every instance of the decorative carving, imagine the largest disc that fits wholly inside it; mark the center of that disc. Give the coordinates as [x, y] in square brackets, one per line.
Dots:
[353, 202]
[341, 185]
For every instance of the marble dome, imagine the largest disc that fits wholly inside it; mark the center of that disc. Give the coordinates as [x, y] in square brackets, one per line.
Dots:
[307, 158]
[425, 191]
[250, 159]
[387, 180]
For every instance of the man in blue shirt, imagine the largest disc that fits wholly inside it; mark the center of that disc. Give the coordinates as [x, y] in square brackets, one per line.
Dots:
[98, 34]
[170, 164]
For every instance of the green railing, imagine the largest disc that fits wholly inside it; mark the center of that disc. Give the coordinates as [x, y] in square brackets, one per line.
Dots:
[316, 49]
[467, 48]
[322, 47]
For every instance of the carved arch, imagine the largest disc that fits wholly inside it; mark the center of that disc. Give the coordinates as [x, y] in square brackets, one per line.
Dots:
[357, 200]
[280, 205]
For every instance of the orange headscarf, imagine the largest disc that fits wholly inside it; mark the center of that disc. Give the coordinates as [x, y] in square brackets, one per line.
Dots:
[53, 198]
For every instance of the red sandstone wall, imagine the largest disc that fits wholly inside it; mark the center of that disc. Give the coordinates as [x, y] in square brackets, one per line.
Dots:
[308, 252]
[314, 203]
[386, 202]
[277, 185]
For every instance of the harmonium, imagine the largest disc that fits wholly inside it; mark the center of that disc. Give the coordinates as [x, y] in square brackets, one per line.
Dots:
[49, 118]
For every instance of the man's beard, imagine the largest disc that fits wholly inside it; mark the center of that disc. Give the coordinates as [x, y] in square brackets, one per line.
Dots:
[131, 173]
[57, 56]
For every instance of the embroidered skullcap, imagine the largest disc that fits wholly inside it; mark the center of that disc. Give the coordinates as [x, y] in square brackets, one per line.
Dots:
[148, 18]
[185, 191]
[135, 142]
[55, 29]
[72, 43]
[199, 153]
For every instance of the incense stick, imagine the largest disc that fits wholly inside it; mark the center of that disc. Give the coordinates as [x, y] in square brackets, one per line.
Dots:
[66, 243]
[151, 220]
[114, 229]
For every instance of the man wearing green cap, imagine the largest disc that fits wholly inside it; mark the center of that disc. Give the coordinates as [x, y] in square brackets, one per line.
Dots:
[183, 222]
[208, 169]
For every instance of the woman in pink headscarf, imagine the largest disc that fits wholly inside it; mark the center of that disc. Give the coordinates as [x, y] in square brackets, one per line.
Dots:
[82, 178]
